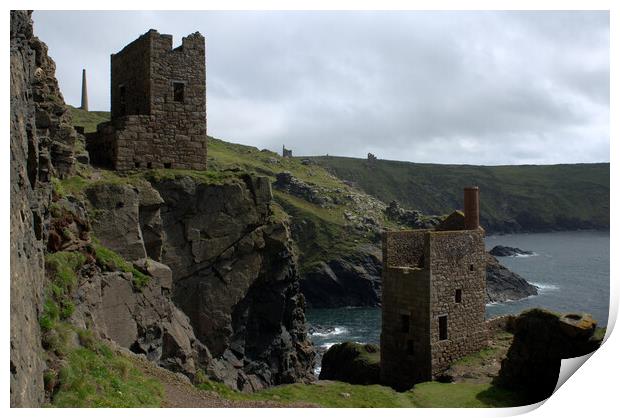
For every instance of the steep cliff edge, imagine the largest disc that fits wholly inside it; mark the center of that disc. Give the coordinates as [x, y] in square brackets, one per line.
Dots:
[90, 253]
[42, 142]
[232, 273]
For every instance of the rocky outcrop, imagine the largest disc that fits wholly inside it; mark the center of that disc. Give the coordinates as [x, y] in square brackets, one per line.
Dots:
[144, 321]
[503, 251]
[350, 362]
[285, 181]
[116, 219]
[541, 340]
[355, 280]
[234, 272]
[42, 143]
[413, 219]
[504, 285]
[351, 280]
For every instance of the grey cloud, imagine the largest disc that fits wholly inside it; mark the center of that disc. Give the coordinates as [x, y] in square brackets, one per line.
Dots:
[449, 87]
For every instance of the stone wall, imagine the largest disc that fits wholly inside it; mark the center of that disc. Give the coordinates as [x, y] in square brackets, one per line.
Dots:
[457, 262]
[430, 275]
[161, 122]
[404, 248]
[131, 73]
[405, 350]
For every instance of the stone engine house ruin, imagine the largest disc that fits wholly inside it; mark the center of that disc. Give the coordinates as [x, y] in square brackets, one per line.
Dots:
[434, 288]
[158, 106]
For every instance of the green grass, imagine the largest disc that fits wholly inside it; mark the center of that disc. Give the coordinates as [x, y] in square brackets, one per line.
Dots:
[113, 261]
[321, 233]
[88, 120]
[62, 267]
[76, 185]
[538, 197]
[96, 377]
[462, 395]
[344, 395]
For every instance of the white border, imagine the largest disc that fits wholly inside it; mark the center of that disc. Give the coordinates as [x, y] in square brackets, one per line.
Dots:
[590, 392]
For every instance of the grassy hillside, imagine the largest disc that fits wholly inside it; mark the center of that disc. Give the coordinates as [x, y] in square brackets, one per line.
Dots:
[566, 196]
[322, 232]
[89, 120]
[529, 197]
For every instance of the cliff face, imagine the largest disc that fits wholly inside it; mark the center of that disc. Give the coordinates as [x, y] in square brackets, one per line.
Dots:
[207, 279]
[234, 275]
[41, 145]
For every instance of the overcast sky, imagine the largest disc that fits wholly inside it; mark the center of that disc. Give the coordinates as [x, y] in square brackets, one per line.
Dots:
[444, 87]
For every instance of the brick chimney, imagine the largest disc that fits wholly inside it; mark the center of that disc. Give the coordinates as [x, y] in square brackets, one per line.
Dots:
[471, 203]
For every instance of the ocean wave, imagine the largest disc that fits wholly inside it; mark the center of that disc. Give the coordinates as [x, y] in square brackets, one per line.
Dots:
[327, 345]
[336, 331]
[526, 255]
[545, 287]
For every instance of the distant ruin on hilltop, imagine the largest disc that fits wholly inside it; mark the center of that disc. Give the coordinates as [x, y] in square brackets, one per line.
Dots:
[158, 106]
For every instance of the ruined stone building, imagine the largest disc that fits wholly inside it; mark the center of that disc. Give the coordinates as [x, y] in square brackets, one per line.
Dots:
[286, 153]
[433, 298]
[158, 106]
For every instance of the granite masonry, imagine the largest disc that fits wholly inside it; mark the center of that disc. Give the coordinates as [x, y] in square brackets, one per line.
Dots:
[158, 111]
[433, 298]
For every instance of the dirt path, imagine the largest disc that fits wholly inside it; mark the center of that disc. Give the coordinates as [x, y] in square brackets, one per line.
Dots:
[180, 393]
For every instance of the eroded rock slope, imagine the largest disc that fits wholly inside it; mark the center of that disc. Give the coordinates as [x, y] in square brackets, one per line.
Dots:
[233, 269]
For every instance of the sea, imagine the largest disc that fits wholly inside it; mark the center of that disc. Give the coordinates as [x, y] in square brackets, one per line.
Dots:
[570, 269]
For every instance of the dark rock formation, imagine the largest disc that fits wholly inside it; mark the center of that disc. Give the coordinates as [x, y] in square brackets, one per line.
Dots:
[353, 363]
[41, 145]
[541, 340]
[233, 269]
[351, 280]
[413, 219]
[503, 284]
[355, 280]
[502, 251]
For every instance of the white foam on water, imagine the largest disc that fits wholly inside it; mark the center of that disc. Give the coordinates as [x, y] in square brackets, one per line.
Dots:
[545, 287]
[336, 331]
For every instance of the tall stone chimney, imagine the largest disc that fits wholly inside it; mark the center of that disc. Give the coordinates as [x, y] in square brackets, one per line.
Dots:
[471, 204]
[84, 92]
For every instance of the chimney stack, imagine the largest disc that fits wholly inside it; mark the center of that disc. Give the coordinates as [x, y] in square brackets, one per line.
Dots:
[84, 92]
[471, 203]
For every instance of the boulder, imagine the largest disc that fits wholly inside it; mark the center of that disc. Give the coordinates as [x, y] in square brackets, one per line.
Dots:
[351, 362]
[541, 340]
[157, 270]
